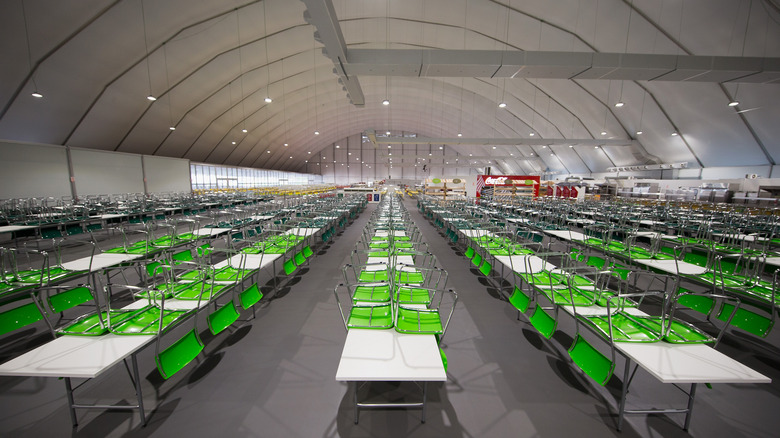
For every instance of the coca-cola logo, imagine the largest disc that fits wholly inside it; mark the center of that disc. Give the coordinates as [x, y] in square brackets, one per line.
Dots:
[495, 181]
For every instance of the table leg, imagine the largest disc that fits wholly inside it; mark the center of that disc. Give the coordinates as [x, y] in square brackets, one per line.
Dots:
[355, 397]
[138, 393]
[425, 393]
[624, 392]
[691, 397]
[71, 408]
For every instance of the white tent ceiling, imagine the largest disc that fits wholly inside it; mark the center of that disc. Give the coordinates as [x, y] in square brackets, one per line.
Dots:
[211, 63]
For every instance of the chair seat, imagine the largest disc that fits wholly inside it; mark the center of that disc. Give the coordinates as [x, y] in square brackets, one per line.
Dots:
[372, 294]
[370, 317]
[632, 328]
[412, 295]
[418, 321]
[373, 276]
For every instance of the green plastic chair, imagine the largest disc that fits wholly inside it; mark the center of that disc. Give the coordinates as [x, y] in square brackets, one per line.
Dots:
[299, 258]
[175, 357]
[70, 298]
[543, 322]
[19, 317]
[520, 301]
[486, 268]
[477, 260]
[591, 361]
[249, 297]
[222, 318]
[289, 267]
[307, 252]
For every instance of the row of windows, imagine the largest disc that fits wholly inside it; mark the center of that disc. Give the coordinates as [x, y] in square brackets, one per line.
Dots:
[207, 176]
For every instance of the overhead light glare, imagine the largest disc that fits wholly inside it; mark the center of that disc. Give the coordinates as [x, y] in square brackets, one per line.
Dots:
[603, 132]
[37, 94]
[571, 145]
[674, 134]
[460, 135]
[316, 132]
[244, 130]
[151, 98]
[619, 104]
[532, 134]
[640, 132]
[502, 105]
[732, 103]
[268, 100]
[385, 102]
[172, 128]
[233, 142]
[387, 132]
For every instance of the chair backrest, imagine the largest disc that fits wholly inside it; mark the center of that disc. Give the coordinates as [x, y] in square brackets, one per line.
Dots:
[221, 318]
[250, 296]
[179, 354]
[519, 300]
[289, 267]
[485, 268]
[591, 361]
[469, 252]
[543, 322]
[19, 317]
[70, 298]
[183, 256]
[299, 258]
[477, 260]
[307, 252]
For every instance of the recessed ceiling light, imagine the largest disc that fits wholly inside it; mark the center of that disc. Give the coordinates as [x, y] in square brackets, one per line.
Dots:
[502, 105]
[267, 152]
[619, 104]
[544, 146]
[674, 134]
[244, 131]
[430, 155]
[285, 145]
[532, 154]
[390, 154]
[306, 161]
[349, 153]
[37, 94]
[441, 147]
[460, 135]
[268, 100]
[290, 156]
[316, 132]
[309, 152]
[494, 147]
[595, 147]
[571, 145]
[532, 134]
[334, 161]
[233, 142]
[640, 132]
[552, 154]
[471, 155]
[151, 98]
[510, 154]
[385, 102]
[387, 132]
[389, 146]
[732, 103]
[337, 146]
[603, 132]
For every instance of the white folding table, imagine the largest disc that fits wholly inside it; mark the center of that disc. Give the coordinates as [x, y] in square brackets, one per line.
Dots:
[84, 357]
[388, 356]
[677, 364]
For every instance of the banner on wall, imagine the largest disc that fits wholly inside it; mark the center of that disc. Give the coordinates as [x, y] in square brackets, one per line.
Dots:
[486, 183]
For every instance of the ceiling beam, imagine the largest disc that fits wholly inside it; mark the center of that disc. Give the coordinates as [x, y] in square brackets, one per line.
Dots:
[561, 65]
[322, 15]
[532, 141]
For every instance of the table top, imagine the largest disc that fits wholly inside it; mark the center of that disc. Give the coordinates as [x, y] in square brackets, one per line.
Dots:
[210, 231]
[253, 261]
[299, 231]
[689, 363]
[672, 266]
[386, 355]
[385, 233]
[75, 356]
[476, 233]
[12, 228]
[566, 234]
[521, 263]
[101, 261]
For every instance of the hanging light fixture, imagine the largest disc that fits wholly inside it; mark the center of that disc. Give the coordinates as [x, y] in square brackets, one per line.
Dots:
[150, 97]
[267, 65]
[36, 93]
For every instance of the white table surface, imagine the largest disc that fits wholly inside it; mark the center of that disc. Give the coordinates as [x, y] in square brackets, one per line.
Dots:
[689, 363]
[566, 234]
[102, 260]
[12, 228]
[774, 261]
[109, 216]
[210, 231]
[521, 263]
[386, 355]
[262, 218]
[302, 231]
[75, 356]
[385, 233]
[476, 233]
[170, 304]
[671, 267]
[253, 261]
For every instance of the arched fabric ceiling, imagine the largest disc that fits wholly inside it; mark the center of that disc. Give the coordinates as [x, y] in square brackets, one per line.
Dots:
[211, 64]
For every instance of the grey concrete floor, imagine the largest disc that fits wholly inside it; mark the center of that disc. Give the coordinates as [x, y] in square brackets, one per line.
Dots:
[274, 377]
